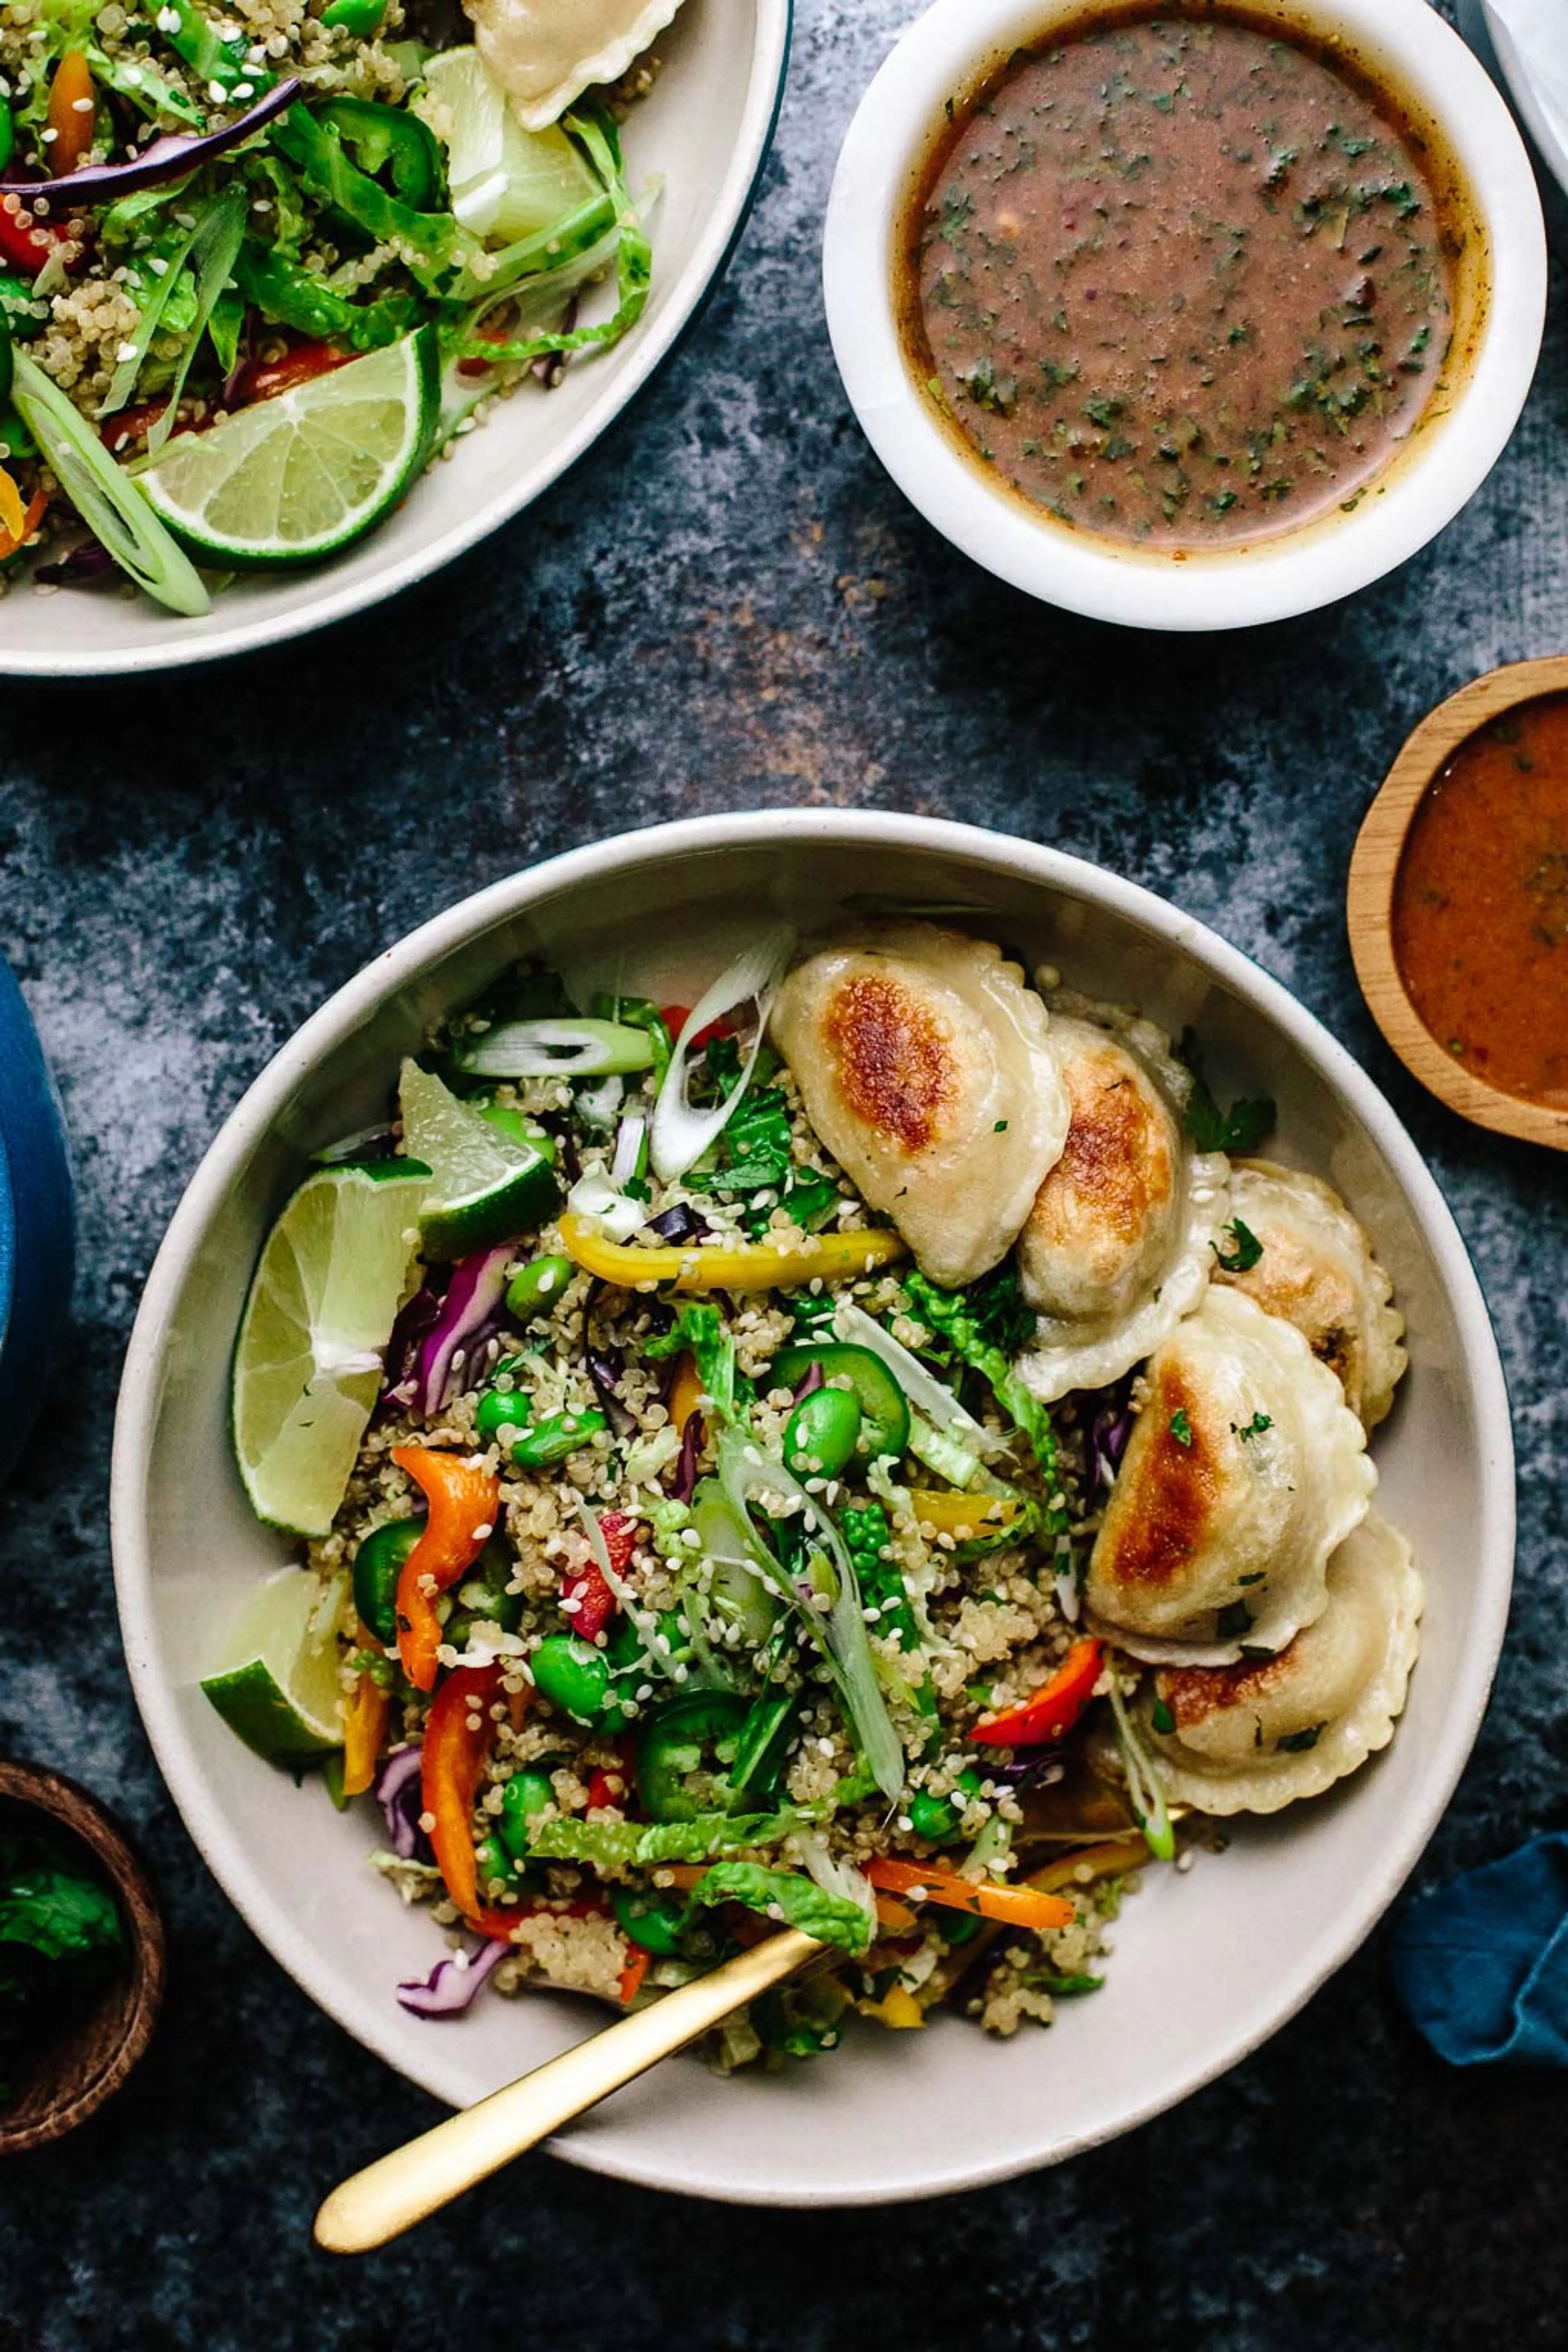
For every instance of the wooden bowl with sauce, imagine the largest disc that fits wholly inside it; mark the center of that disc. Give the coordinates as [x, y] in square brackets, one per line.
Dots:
[71, 2070]
[1457, 903]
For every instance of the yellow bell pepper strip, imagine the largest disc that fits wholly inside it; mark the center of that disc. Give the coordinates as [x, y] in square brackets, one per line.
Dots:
[13, 513]
[365, 1728]
[1019, 1906]
[1098, 1861]
[685, 1390]
[964, 1516]
[729, 1265]
[464, 1503]
[13, 542]
[72, 110]
[1050, 1712]
[898, 2009]
[451, 1765]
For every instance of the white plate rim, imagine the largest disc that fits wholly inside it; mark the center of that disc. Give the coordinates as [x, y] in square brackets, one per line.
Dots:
[1050, 869]
[642, 359]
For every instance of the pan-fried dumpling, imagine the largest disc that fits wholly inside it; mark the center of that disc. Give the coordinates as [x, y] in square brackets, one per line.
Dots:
[1317, 1270]
[1254, 1737]
[923, 1062]
[1245, 1471]
[545, 53]
[1116, 1249]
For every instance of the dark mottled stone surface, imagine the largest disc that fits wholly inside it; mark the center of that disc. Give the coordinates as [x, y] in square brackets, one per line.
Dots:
[728, 606]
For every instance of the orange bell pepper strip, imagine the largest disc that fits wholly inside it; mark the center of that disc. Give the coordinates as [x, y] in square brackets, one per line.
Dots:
[464, 1503]
[72, 110]
[685, 1391]
[637, 1968]
[1050, 1712]
[1019, 1906]
[13, 542]
[452, 1764]
[365, 1728]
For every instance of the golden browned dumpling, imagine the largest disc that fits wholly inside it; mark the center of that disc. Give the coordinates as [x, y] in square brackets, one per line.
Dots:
[1316, 1270]
[1244, 1472]
[923, 1064]
[1253, 1736]
[1116, 1249]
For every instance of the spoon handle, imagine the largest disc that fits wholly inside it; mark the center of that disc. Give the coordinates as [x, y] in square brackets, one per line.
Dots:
[389, 2195]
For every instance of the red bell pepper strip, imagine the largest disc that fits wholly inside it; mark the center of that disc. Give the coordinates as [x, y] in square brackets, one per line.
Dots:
[1052, 1710]
[452, 1764]
[464, 1503]
[265, 379]
[631, 1975]
[675, 1018]
[590, 1588]
[25, 242]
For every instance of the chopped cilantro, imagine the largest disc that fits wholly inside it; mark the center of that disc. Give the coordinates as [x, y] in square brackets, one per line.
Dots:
[1297, 1743]
[1233, 1621]
[1245, 1256]
[1241, 1129]
[1254, 1428]
[1162, 1718]
[1181, 1427]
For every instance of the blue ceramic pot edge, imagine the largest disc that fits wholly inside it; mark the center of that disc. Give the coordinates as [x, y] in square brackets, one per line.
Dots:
[37, 1222]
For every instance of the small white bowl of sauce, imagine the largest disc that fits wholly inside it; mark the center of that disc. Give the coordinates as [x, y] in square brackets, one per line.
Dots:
[1192, 317]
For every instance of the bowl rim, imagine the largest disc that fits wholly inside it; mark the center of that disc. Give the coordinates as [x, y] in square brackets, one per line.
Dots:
[643, 358]
[1526, 95]
[1276, 579]
[1053, 871]
[1369, 900]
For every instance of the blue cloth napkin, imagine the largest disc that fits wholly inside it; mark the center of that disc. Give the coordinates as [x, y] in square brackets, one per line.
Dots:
[1482, 1964]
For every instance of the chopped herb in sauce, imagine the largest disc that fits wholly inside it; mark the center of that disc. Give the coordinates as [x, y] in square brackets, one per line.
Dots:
[1180, 282]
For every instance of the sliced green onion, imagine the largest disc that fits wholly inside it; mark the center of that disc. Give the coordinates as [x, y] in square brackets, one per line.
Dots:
[747, 1475]
[106, 498]
[680, 1135]
[942, 1453]
[922, 1388]
[564, 1048]
[1144, 1793]
[723, 1534]
[594, 1196]
[213, 249]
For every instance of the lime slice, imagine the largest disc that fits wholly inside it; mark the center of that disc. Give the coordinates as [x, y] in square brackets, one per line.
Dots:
[308, 1366]
[282, 1695]
[489, 1184]
[300, 476]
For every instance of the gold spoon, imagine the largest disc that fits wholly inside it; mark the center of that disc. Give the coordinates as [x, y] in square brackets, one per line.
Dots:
[389, 2195]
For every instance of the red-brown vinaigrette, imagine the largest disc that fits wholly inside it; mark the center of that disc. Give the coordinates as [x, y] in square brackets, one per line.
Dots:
[1178, 279]
[1481, 904]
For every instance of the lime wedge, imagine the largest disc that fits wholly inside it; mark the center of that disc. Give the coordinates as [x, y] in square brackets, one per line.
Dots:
[308, 1366]
[489, 1184]
[298, 477]
[282, 1695]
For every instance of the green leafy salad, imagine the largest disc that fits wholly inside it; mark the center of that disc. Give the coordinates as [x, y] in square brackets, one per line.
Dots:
[260, 267]
[711, 1518]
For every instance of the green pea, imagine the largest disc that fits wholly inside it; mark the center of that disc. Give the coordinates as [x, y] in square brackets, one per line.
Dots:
[823, 1433]
[572, 1675]
[654, 1920]
[361, 18]
[533, 1291]
[378, 1566]
[494, 1862]
[553, 1440]
[939, 1819]
[498, 1410]
[526, 1793]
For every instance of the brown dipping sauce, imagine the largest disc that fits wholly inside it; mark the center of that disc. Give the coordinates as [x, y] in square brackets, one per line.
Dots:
[1179, 280]
[1480, 905]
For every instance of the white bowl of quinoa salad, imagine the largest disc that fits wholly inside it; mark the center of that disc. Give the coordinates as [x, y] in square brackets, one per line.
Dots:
[1083, 1803]
[301, 299]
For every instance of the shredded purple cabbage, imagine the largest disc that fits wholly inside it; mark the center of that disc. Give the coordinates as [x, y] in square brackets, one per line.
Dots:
[606, 1367]
[473, 1296]
[399, 1791]
[680, 1478]
[86, 562]
[1035, 1772]
[1108, 1435]
[814, 1379]
[421, 1314]
[452, 1984]
[680, 1223]
[169, 158]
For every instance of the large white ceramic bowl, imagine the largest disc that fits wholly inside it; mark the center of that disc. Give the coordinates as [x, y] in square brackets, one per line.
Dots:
[701, 138]
[1407, 47]
[1207, 1964]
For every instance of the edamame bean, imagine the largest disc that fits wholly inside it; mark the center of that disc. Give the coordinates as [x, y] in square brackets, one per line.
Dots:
[572, 1675]
[526, 1793]
[494, 1862]
[534, 1290]
[359, 18]
[939, 1819]
[553, 1440]
[500, 1410]
[823, 1433]
[653, 1920]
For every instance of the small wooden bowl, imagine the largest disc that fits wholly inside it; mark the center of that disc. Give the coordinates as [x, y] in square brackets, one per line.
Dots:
[70, 2075]
[1369, 900]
